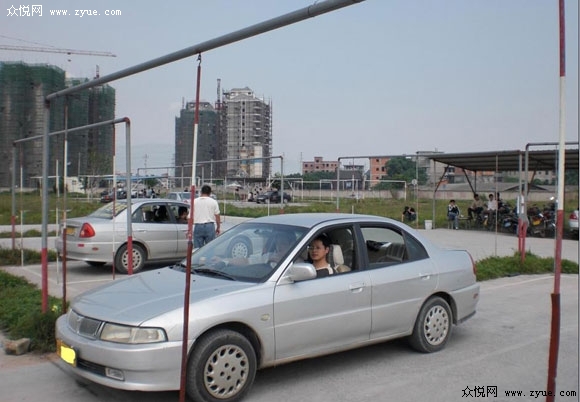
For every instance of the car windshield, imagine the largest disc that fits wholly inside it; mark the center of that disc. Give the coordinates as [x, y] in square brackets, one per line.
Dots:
[106, 211]
[249, 252]
[185, 196]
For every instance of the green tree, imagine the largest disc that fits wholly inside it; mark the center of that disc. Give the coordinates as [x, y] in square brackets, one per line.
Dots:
[312, 180]
[151, 182]
[402, 168]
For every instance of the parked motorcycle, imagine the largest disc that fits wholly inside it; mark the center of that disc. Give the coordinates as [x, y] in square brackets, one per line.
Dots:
[542, 222]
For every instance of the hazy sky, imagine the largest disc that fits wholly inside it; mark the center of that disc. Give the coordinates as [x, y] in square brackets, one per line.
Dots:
[382, 77]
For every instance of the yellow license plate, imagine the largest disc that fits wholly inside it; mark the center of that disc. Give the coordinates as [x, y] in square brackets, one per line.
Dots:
[70, 231]
[66, 353]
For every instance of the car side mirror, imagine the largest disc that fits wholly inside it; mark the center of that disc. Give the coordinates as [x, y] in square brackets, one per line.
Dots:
[299, 271]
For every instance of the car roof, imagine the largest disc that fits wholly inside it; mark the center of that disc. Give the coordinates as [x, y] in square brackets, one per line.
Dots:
[309, 220]
[139, 201]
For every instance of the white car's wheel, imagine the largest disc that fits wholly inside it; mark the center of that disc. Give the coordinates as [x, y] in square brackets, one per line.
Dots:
[239, 247]
[222, 367]
[433, 326]
[122, 259]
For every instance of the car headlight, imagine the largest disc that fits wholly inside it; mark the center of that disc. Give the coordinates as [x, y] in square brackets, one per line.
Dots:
[132, 335]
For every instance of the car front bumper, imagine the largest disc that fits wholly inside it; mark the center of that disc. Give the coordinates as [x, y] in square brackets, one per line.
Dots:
[146, 367]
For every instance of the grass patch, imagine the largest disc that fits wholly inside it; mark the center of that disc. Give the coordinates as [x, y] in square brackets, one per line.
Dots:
[21, 313]
[428, 209]
[28, 256]
[28, 233]
[499, 267]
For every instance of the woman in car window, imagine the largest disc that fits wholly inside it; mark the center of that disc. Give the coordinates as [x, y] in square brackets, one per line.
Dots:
[318, 254]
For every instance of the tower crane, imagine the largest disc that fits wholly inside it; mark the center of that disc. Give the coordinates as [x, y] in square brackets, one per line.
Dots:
[56, 50]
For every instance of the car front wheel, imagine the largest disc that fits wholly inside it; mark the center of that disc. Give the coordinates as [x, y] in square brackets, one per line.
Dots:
[433, 326]
[222, 367]
[122, 259]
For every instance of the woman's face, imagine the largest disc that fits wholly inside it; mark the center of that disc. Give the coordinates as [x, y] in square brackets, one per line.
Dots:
[317, 250]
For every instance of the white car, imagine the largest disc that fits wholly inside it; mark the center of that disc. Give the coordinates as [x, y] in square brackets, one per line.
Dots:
[101, 237]
[250, 311]
[185, 196]
[182, 196]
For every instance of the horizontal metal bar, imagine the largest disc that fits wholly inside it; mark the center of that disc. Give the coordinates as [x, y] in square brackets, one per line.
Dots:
[253, 30]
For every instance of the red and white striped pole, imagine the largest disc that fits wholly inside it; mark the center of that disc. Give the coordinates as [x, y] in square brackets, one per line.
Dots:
[555, 325]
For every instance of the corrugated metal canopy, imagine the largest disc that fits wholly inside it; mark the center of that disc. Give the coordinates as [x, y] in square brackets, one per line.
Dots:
[508, 161]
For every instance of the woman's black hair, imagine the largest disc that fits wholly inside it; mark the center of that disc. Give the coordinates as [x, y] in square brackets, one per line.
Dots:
[324, 239]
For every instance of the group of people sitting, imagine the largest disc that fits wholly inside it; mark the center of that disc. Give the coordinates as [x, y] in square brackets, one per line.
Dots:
[477, 210]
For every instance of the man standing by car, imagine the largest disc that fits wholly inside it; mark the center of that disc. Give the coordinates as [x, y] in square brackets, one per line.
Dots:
[206, 218]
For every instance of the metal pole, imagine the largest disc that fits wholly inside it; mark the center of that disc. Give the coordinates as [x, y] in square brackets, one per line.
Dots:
[555, 324]
[281, 184]
[13, 216]
[45, 206]
[522, 218]
[337, 185]
[129, 196]
[417, 190]
[253, 30]
[64, 208]
[190, 223]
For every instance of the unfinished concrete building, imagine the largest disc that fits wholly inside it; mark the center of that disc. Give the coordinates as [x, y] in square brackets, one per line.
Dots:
[207, 142]
[23, 89]
[245, 133]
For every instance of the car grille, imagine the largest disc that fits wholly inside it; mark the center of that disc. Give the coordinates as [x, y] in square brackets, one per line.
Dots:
[84, 326]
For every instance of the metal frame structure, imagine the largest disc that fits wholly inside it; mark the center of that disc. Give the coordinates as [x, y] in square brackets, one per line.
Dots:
[257, 29]
[304, 13]
[66, 131]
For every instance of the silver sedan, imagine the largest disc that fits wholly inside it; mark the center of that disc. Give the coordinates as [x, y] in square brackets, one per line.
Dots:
[257, 301]
[101, 237]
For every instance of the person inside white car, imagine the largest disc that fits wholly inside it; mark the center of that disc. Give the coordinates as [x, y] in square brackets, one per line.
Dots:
[318, 255]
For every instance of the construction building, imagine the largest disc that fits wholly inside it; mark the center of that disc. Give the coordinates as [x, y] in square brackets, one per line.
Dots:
[245, 134]
[23, 89]
[237, 132]
[319, 165]
[207, 142]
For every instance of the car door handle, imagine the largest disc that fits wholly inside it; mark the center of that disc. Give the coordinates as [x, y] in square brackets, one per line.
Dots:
[356, 287]
[425, 276]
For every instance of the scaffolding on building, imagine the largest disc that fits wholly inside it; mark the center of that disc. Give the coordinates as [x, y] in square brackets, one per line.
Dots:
[23, 89]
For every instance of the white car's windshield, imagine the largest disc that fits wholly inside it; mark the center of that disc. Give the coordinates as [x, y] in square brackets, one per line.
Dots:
[248, 252]
[106, 211]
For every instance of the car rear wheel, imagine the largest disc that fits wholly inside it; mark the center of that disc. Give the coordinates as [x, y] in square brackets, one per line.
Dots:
[122, 259]
[96, 263]
[239, 247]
[433, 326]
[222, 367]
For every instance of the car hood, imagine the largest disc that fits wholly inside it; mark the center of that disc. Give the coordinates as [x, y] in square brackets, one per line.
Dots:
[144, 296]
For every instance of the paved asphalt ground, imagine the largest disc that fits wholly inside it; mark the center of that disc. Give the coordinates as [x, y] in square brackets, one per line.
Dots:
[504, 346]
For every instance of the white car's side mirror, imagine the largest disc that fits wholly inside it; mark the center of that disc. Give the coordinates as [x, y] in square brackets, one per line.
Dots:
[299, 271]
